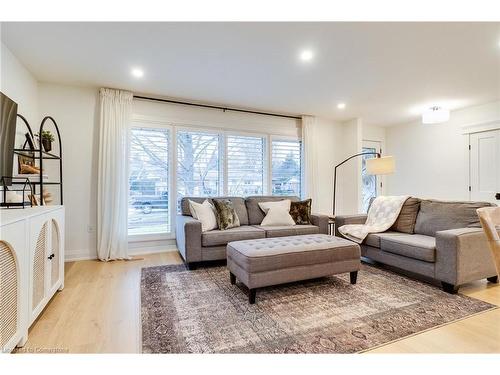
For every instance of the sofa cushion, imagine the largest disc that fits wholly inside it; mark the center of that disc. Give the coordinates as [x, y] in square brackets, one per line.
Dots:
[238, 204]
[435, 216]
[416, 246]
[222, 237]
[285, 231]
[255, 214]
[301, 211]
[373, 239]
[405, 222]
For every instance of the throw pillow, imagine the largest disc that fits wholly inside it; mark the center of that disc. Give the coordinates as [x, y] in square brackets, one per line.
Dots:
[277, 216]
[205, 213]
[301, 212]
[226, 214]
[284, 204]
[407, 218]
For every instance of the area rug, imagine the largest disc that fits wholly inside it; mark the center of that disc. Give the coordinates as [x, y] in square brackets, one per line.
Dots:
[201, 312]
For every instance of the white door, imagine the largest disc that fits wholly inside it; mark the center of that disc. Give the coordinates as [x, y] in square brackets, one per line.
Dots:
[370, 183]
[485, 166]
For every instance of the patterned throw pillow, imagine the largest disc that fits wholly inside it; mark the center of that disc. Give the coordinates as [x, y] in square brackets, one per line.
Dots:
[226, 215]
[301, 212]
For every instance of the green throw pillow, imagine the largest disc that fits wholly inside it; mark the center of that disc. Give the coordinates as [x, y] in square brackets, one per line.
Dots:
[226, 215]
[301, 212]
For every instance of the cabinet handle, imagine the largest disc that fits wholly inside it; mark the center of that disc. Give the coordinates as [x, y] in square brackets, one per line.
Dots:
[51, 256]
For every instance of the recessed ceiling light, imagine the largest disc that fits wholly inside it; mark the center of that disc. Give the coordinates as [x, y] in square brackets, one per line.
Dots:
[306, 55]
[138, 73]
[341, 105]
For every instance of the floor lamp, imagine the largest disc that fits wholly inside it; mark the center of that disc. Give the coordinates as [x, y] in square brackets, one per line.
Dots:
[375, 166]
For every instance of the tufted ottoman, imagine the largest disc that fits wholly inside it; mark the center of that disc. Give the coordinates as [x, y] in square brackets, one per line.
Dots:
[271, 261]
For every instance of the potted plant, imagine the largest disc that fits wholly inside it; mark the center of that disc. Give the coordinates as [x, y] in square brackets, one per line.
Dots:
[47, 139]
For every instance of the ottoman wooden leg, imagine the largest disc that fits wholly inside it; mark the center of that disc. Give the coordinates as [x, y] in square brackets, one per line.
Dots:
[251, 296]
[354, 277]
[232, 278]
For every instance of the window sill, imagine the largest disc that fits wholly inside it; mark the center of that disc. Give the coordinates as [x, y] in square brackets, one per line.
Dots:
[151, 237]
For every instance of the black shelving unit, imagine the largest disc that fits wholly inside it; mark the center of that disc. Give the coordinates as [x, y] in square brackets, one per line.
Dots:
[39, 154]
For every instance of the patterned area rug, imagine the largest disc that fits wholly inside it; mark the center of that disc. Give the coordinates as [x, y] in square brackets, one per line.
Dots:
[201, 312]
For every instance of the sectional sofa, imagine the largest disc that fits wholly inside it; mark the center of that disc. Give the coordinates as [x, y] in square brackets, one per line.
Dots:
[445, 243]
[196, 246]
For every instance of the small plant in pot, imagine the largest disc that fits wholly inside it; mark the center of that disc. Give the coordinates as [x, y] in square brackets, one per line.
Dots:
[47, 139]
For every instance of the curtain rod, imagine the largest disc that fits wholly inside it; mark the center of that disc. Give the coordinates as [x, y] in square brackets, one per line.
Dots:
[215, 107]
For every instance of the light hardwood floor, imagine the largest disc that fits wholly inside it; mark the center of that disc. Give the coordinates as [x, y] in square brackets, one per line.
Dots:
[99, 312]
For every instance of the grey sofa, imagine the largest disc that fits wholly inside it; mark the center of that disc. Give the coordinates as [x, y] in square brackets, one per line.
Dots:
[196, 246]
[448, 244]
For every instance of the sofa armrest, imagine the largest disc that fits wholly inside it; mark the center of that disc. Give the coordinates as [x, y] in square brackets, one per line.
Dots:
[463, 255]
[188, 238]
[320, 221]
[348, 219]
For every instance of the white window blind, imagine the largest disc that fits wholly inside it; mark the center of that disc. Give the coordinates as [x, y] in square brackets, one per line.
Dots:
[286, 167]
[245, 165]
[198, 164]
[149, 166]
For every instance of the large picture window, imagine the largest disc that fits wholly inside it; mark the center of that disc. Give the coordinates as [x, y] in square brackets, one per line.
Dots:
[286, 167]
[148, 211]
[245, 165]
[203, 164]
[198, 164]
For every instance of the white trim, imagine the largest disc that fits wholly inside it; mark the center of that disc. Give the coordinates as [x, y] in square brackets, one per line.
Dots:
[81, 254]
[133, 238]
[481, 126]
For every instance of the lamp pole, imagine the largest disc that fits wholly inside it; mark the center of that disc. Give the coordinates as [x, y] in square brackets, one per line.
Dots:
[343, 162]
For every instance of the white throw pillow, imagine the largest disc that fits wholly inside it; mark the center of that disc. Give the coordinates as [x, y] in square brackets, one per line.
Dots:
[284, 204]
[278, 216]
[205, 213]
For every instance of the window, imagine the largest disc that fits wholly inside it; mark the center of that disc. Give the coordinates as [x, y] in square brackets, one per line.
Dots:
[369, 182]
[198, 164]
[286, 165]
[245, 165]
[148, 211]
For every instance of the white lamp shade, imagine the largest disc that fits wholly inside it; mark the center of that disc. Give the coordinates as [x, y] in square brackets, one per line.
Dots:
[382, 165]
[435, 115]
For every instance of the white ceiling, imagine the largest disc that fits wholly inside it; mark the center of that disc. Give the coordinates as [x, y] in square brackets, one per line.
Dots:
[384, 72]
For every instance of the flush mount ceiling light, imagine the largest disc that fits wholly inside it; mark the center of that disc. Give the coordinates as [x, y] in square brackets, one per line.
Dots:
[306, 55]
[136, 72]
[341, 105]
[435, 115]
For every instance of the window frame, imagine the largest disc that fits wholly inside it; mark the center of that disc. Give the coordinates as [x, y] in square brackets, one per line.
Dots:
[302, 165]
[157, 124]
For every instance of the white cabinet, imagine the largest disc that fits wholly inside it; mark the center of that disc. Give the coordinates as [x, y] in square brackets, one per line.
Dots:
[31, 268]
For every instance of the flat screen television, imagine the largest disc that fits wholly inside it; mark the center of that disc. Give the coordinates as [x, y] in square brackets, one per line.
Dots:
[8, 116]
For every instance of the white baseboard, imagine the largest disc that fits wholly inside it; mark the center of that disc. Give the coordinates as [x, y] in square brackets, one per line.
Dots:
[85, 254]
[82, 254]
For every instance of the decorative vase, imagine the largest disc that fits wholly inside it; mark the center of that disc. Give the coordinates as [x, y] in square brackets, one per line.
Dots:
[47, 145]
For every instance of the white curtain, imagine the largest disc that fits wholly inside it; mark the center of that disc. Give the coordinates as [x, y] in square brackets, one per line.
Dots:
[112, 189]
[310, 159]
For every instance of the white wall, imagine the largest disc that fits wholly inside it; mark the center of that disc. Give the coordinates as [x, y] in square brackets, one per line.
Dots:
[75, 111]
[19, 84]
[432, 160]
[349, 174]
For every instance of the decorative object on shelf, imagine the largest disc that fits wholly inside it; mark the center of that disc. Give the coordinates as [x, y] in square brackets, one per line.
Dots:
[378, 165]
[30, 141]
[16, 192]
[47, 197]
[26, 166]
[46, 137]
